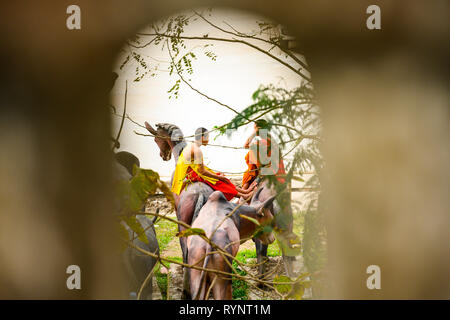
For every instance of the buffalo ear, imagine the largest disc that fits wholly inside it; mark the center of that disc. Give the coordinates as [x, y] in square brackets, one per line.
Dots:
[265, 205]
[269, 202]
[150, 128]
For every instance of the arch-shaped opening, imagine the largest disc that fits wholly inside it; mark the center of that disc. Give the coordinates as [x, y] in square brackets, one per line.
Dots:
[240, 76]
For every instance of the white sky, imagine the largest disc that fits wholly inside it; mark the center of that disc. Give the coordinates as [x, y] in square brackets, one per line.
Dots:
[232, 79]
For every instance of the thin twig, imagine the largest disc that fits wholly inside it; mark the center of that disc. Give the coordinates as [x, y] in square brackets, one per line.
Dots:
[210, 287]
[243, 35]
[123, 116]
[147, 279]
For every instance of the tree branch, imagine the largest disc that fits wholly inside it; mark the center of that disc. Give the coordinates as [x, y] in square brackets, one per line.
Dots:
[243, 35]
[116, 142]
[232, 41]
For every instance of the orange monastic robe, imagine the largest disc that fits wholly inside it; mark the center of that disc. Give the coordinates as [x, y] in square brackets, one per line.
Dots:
[254, 165]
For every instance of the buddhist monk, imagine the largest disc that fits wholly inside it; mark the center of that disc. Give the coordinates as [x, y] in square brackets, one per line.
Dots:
[261, 148]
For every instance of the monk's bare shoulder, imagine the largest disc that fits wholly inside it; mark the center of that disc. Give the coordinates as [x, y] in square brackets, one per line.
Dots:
[198, 155]
[193, 151]
[187, 152]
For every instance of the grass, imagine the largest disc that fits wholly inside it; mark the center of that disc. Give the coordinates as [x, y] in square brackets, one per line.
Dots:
[244, 255]
[178, 259]
[161, 278]
[165, 232]
[161, 281]
[240, 287]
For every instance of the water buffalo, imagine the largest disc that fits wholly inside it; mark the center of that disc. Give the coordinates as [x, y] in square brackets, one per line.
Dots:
[227, 235]
[137, 265]
[283, 220]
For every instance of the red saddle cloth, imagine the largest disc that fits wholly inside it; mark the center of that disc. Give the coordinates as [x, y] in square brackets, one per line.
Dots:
[227, 188]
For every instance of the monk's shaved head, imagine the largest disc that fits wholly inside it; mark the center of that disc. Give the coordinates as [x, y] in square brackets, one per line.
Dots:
[201, 133]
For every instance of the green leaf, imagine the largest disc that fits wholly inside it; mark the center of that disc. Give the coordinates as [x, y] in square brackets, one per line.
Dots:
[251, 219]
[282, 288]
[143, 184]
[303, 275]
[261, 230]
[135, 225]
[286, 248]
[297, 178]
[191, 232]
